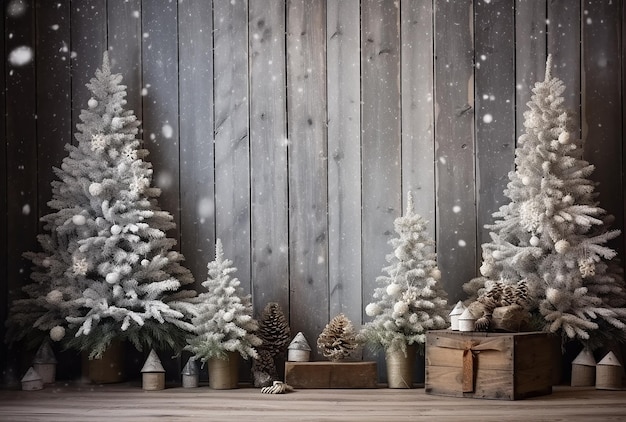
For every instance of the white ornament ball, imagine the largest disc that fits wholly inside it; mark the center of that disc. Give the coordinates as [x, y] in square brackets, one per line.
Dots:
[372, 309]
[116, 123]
[393, 289]
[92, 103]
[525, 180]
[172, 255]
[112, 278]
[534, 241]
[79, 220]
[436, 274]
[496, 254]
[145, 262]
[561, 246]
[46, 262]
[400, 308]
[95, 189]
[57, 333]
[228, 316]
[564, 137]
[116, 229]
[54, 296]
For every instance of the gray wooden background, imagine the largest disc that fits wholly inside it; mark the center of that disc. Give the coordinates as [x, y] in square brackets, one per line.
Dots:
[292, 130]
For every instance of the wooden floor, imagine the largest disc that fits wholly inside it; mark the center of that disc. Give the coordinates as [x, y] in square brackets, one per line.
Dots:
[128, 402]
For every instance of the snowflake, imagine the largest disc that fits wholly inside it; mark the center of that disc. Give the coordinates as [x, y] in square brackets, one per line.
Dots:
[98, 142]
[587, 267]
[129, 153]
[80, 266]
[139, 184]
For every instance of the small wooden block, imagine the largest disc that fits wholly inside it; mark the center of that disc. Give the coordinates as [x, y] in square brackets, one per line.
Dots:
[331, 374]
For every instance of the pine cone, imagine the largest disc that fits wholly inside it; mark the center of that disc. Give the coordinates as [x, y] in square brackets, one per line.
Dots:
[338, 338]
[522, 297]
[264, 369]
[508, 295]
[274, 330]
[483, 323]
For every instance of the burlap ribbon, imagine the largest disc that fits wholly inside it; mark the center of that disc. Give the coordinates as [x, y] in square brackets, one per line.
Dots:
[471, 348]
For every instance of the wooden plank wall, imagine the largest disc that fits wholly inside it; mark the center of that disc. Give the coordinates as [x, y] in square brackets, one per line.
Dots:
[292, 130]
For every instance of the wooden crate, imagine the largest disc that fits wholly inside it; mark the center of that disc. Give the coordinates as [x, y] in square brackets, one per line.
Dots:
[505, 366]
[331, 374]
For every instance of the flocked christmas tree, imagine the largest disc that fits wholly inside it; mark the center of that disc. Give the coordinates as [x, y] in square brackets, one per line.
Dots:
[107, 269]
[410, 299]
[223, 316]
[553, 234]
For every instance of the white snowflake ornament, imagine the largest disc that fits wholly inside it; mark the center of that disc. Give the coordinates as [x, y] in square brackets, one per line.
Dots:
[98, 142]
[587, 267]
[79, 266]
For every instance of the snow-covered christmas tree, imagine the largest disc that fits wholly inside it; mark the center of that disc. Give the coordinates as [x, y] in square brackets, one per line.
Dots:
[107, 269]
[223, 316]
[410, 299]
[553, 234]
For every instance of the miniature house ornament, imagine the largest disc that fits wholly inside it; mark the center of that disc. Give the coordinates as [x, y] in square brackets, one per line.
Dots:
[153, 374]
[299, 349]
[191, 374]
[467, 320]
[32, 380]
[455, 314]
[609, 373]
[45, 363]
[583, 369]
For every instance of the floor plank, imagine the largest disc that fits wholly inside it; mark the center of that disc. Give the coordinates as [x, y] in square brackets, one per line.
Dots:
[126, 402]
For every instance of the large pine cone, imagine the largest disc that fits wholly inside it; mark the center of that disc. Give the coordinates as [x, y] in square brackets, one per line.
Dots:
[274, 330]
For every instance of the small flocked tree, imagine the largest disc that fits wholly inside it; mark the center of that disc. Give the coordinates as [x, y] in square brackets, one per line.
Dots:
[553, 234]
[107, 269]
[410, 299]
[223, 316]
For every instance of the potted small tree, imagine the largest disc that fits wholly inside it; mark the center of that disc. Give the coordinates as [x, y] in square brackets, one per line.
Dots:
[409, 300]
[223, 324]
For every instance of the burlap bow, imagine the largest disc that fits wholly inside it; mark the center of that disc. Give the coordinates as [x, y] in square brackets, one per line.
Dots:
[471, 348]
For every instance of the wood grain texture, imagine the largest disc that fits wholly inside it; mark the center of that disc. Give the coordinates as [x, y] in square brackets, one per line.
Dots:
[5, 366]
[197, 178]
[331, 374]
[308, 190]
[268, 155]
[454, 134]
[494, 43]
[126, 402]
[344, 164]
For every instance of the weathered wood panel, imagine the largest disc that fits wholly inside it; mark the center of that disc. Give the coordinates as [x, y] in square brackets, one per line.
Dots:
[5, 366]
[197, 179]
[232, 148]
[268, 155]
[88, 41]
[160, 104]
[344, 164]
[418, 109]
[601, 91]
[454, 134]
[308, 221]
[494, 56]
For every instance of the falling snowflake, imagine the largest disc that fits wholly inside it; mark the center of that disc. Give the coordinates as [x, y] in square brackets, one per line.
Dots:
[129, 153]
[80, 266]
[21, 56]
[98, 142]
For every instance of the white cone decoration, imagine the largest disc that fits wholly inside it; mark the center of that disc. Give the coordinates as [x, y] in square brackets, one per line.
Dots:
[456, 312]
[583, 369]
[153, 374]
[609, 373]
[467, 321]
[32, 380]
[299, 349]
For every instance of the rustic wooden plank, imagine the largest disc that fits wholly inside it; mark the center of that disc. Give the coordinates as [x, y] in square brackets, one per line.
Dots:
[308, 221]
[331, 374]
[232, 146]
[197, 214]
[54, 111]
[601, 93]
[268, 155]
[530, 53]
[21, 154]
[124, 39]
[344, 166]
[88, 41]
[160, 104]
[494, 44]
[418, 111]
[564, 45]
[454, 134]
[5, 366]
